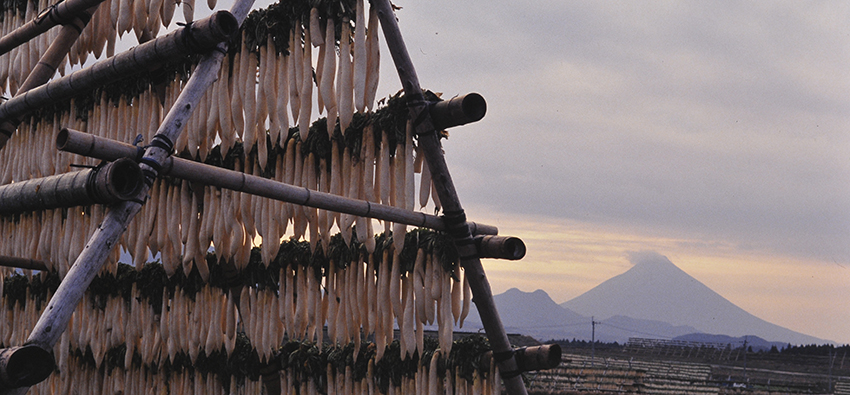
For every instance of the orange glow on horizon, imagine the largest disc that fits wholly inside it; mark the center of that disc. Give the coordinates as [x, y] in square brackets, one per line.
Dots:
[568, 259]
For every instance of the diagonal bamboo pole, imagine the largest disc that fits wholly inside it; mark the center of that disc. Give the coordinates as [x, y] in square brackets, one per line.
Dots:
[199, 37]
[469, 259]
[49, 62]
[58, 312]
[77, 142]
[52, 57]
[58, 14]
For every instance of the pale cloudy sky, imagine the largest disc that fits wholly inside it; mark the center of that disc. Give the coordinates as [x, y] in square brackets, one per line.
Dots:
[716, 133]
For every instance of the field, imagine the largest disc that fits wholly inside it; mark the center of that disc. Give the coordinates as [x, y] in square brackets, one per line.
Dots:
[664, 370]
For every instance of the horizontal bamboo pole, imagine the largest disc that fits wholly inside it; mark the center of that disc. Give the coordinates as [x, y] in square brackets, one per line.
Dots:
[22, 263]
[459, 110]
[58, 14]
[199, 37]
[98, 147]
[116, 181]
[501, 247]
[543, 357]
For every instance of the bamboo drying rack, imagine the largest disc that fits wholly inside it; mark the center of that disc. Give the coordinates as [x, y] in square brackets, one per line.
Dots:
[206, 37]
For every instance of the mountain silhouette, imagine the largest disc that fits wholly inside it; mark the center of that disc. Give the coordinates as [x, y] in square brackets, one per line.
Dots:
[656, 289]
[537, 315]
[534, 314]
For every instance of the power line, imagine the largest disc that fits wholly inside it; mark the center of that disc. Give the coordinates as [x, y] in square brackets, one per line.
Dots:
[634, 331]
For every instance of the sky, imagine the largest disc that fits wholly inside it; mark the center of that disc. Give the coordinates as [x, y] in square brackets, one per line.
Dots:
[714, 133]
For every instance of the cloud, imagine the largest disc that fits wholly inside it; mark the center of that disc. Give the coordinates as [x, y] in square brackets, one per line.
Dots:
[722, 122]
[647, 257]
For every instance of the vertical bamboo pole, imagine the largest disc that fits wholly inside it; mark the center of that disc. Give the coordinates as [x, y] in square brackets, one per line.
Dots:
[58, 312]
[454, 215]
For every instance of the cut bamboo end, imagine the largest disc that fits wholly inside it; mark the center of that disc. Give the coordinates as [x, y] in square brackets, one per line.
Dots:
[220, 25]
[24, 366]
[121, 180]
[500, 247]
[459, 110]
[114, 182]
[528, 359]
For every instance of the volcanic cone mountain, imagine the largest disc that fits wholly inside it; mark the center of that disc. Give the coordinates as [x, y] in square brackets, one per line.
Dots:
[655, 289]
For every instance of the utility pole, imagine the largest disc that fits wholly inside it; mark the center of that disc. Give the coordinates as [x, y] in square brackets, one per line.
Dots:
[745, 358]
[831, 363]
[592, 340]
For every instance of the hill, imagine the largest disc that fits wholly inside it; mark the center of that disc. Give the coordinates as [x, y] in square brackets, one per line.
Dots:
[655, 289]
[754, 342]
[537, 315]
[534, 314]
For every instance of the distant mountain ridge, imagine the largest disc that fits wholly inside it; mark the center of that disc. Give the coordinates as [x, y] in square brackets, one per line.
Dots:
[656, 289]
[653, 299]
[537, 315]
[754, 342]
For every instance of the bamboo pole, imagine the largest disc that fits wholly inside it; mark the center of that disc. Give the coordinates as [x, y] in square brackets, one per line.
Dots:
[60, 13]
[77, 142]
[459, 110]
[199, 37]
[454, 215]
[500, 247]
[543, 357]
[49, 62]
[24, 366]
[114, 182]
[58, 312]
[52, 57]
[22, 263]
